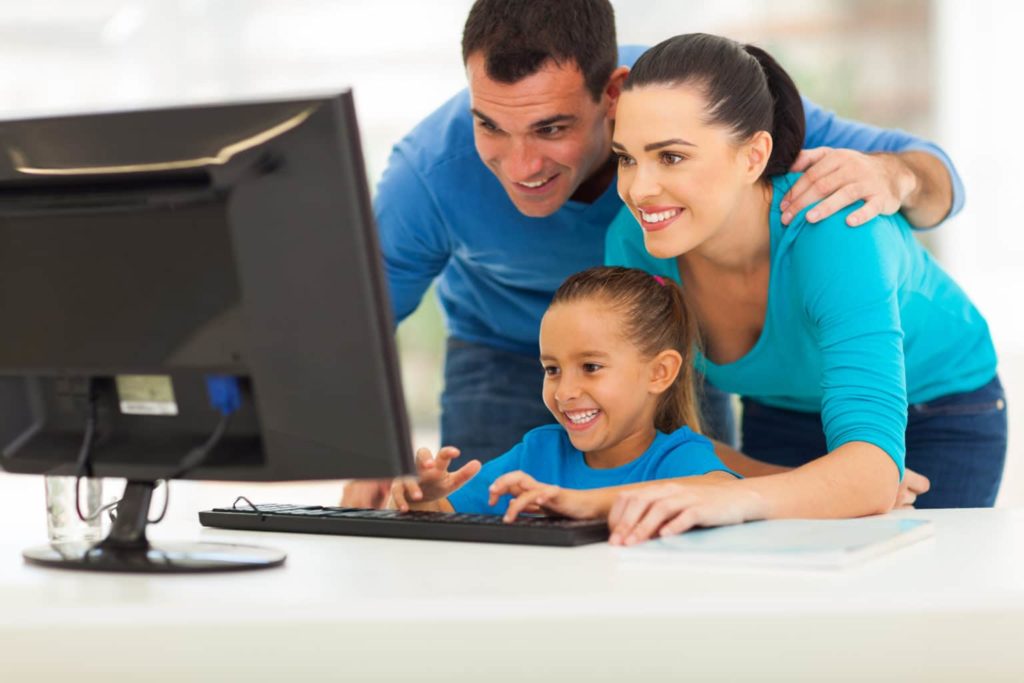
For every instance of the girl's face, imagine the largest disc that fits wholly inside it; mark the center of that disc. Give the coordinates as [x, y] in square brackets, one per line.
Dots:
[681, 177]
[597, 384]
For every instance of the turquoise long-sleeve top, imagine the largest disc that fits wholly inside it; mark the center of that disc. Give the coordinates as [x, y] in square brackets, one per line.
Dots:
[859, 323]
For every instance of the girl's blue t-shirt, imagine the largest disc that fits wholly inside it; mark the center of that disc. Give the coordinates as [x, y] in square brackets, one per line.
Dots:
[547, 455]
[860, 321]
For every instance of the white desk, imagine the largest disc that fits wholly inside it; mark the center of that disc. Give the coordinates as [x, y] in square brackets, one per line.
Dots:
[951, 608]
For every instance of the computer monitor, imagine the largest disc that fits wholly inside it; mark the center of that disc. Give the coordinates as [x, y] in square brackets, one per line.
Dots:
[198, 293]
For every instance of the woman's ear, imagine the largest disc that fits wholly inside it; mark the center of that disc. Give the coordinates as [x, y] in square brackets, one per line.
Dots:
[755, 153]
[665, 368]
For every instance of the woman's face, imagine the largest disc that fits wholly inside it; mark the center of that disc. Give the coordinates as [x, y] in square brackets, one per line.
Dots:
[681, 177]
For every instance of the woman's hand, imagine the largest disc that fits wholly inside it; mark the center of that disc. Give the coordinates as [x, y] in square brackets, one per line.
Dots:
[434, 482]
[674, 508]
[530, 495]
[912, 486]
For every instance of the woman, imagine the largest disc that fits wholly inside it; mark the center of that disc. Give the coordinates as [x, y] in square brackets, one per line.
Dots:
[856, 354]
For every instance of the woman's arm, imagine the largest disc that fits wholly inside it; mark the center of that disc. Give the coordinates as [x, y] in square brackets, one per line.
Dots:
[855, 480]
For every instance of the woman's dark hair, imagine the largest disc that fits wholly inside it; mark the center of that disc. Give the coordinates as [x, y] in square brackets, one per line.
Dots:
[516, 37]
[746, 90]
[656, 319]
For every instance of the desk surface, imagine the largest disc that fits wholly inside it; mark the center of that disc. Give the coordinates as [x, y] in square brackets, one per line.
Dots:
[949, 608]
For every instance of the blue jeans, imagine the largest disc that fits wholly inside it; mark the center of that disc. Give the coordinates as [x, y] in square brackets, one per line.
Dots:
[492, 398]
[957, 441]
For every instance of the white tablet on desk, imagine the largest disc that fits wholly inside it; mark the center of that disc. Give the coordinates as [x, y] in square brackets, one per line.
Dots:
[798, 543]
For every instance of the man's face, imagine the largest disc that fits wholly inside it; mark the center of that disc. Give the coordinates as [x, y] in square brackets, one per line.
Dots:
[542, 136]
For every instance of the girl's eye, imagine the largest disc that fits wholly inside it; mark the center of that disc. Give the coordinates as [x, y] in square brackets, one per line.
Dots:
[671, 158]
[591, 367]
[550, 370]
[625, 160]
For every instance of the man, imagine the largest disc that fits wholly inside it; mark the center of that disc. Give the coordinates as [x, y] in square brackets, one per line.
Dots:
[509, 187]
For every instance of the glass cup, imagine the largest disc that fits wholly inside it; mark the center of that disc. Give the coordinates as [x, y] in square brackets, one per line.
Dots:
[62, 521]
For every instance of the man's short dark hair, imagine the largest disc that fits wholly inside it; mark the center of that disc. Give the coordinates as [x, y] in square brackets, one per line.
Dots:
[516, 37]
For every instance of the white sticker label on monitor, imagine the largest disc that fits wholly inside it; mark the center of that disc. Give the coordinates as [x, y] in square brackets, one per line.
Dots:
[146, 395]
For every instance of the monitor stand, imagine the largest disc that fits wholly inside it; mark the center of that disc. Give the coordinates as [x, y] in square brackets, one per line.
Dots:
[126, 548]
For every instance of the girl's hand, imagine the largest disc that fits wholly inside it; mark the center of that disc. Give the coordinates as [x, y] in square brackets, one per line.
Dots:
[531, 495]
[435, 481]
[674, 508]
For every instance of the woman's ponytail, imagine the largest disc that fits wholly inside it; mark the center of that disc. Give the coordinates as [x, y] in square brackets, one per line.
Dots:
[788, 123]
[745, 88]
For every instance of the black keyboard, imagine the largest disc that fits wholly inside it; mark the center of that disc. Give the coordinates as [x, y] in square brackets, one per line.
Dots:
[440, 526]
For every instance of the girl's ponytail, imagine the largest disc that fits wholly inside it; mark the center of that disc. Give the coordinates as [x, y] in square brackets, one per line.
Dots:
[680, 405]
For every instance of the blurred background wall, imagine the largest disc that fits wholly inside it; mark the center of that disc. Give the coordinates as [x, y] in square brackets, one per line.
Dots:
[944, 69]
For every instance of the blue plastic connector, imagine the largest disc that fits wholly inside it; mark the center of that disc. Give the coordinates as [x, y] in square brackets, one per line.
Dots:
[225, 395]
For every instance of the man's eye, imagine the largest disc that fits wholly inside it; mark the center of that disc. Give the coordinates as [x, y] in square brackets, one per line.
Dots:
[550, 131]
[591, 367]
[487, 125]
[625, 160]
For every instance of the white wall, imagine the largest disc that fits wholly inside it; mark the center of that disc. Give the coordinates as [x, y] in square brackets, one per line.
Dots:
[980, 117]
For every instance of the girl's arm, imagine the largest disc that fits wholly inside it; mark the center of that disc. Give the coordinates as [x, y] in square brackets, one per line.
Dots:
[530, 495]
[744, 464]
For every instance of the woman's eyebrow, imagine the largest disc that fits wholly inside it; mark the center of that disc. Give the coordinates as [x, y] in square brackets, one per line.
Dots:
[665, 143]
[650, 147]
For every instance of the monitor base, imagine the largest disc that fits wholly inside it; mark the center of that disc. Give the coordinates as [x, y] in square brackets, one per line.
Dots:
[164, 558]
[126, 549]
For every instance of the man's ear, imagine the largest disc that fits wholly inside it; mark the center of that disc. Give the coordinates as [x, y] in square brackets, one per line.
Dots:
[614, 88]
[665, 367]
[755, 153]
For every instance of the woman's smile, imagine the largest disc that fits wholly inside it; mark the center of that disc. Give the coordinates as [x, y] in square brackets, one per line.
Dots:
[654, 218]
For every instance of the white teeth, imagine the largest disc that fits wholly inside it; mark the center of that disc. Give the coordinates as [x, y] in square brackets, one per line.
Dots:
[582, 416]
[658, 217]
[535, 184]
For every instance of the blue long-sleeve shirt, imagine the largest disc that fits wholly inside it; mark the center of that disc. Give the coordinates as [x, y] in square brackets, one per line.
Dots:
[547, 455]
[859, 322]
[443, 215]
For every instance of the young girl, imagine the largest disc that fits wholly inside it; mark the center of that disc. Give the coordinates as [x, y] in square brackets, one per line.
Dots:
[617, 349]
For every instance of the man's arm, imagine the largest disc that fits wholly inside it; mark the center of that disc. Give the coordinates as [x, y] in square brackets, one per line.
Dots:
[413, 238]
[890, 170]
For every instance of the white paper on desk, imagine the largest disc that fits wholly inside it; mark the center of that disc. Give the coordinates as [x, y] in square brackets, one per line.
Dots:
[809, 543]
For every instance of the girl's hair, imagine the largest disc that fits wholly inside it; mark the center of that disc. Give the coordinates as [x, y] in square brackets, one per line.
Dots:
[746, 90]
[656, 319]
